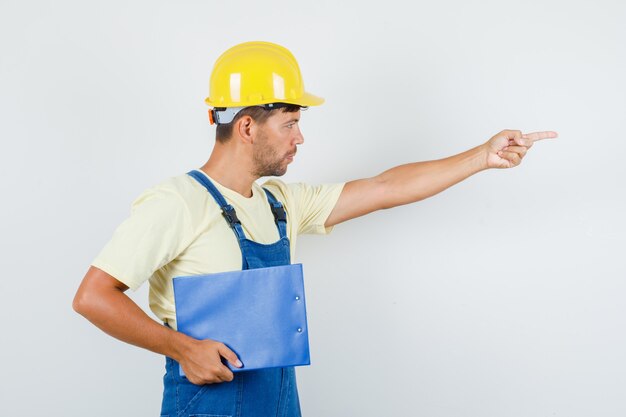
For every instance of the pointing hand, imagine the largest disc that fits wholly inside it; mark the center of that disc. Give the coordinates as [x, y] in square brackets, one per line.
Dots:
[507, 148]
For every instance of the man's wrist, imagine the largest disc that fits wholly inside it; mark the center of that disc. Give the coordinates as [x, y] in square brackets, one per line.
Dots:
[178, 344]
[483, 160]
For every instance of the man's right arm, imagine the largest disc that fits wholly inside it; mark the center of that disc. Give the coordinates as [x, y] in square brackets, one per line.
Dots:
[101, 299]
[416, 181]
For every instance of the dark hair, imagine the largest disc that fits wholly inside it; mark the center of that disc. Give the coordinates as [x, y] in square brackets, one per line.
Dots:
[259, 114]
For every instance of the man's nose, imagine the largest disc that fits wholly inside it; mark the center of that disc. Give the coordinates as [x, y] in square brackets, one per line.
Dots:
[299, 137]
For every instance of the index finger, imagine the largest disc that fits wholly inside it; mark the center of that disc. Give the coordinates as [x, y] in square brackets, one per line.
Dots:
[229, 355]
[535, 136]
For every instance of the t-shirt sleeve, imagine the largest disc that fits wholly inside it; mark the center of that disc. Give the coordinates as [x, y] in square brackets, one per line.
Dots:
[158, 229]
[308, 205]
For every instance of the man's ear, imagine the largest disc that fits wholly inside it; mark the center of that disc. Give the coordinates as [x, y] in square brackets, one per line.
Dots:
[246, 128]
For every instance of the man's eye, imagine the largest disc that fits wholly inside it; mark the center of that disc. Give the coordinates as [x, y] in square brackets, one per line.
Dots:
[290, 125]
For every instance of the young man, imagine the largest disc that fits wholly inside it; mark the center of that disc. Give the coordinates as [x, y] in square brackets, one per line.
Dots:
[179, 227]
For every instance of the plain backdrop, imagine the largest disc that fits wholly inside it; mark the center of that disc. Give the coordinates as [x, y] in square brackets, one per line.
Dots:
[502, 296]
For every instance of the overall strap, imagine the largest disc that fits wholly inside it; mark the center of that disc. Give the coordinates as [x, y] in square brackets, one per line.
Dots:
[227, 210]
[280, 216]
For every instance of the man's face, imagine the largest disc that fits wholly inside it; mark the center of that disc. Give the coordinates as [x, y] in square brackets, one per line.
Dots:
[276, 143]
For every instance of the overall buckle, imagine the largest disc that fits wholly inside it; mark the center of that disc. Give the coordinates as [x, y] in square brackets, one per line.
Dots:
[230, 215]
[279, 214]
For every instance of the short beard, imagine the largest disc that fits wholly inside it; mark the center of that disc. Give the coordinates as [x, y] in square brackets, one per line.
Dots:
[266, 162]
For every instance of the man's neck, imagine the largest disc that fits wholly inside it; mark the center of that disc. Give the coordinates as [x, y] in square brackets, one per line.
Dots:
[230, 171]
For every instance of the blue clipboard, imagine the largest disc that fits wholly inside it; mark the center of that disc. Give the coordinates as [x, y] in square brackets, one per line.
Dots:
[259, 313]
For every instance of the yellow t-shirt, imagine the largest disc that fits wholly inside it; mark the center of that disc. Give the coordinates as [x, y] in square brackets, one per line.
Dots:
[176, 228]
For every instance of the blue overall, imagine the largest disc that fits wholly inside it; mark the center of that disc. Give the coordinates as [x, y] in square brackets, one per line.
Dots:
[268, 392]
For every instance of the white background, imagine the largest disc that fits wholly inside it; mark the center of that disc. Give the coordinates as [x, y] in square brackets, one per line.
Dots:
[503, 296]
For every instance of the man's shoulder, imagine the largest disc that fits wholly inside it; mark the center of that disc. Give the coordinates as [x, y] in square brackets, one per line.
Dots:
[279, 189]
[294, 189]
[179, 190]
[310, 205]
[181, 185]
[302, 193]
[172, 188]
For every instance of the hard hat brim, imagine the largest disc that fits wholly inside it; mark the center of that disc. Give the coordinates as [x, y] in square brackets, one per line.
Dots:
[306, 100]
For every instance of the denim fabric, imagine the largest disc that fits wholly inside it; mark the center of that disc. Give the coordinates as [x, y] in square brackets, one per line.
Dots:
[268, 392]
[261, 393]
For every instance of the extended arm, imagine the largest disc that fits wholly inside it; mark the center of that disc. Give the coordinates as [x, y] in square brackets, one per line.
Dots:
[101, 299]
[416, 181]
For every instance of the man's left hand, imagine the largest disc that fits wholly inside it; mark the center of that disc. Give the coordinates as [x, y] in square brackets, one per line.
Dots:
[507, 148]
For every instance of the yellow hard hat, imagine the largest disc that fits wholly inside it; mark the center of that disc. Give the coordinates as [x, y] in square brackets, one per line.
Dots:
[257, 73]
